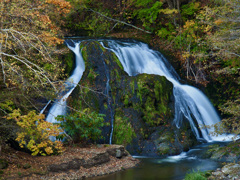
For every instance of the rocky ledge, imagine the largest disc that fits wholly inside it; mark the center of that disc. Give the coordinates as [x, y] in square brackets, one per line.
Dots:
[230, 171]
[74, 163]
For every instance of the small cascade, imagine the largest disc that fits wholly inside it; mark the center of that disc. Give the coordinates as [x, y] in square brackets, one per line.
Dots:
[190, 102]
[109, 101]
[59, 106]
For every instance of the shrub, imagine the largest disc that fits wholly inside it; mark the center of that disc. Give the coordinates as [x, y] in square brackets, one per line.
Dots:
[35, 133]
[82, 126]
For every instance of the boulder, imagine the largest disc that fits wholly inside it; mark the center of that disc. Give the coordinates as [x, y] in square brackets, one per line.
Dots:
[231, 169]
[142, 106]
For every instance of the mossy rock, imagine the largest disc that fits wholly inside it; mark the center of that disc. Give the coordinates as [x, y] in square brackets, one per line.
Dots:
[165, 137]
[163, 148]
[143, 104]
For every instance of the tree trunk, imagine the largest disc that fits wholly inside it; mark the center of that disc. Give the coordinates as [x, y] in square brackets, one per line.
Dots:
[170, 4]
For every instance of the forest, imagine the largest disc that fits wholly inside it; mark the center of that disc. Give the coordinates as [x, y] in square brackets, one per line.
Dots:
[201, 39]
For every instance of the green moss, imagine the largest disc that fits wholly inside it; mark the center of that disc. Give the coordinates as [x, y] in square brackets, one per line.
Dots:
[163, 148]
[84, 53]
[69, 60]
[107, 61]
[123, 131]
[92, 75]
[84, 97]
[115, 58]
[132, 85]
[126, 99]
[105, 106]
[117, 74]
[153, 93]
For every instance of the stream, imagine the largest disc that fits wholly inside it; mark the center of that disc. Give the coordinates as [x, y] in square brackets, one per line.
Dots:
[170, 168]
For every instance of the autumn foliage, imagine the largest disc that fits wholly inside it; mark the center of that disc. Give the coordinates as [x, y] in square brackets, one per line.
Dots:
[29, 35]
[35, 133]
[30, 46]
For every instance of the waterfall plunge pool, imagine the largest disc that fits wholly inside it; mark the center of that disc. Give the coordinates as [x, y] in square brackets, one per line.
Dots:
[170, 168]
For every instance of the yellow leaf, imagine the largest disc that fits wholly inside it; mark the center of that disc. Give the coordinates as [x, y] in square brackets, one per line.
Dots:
[218, 22]
[168, 11]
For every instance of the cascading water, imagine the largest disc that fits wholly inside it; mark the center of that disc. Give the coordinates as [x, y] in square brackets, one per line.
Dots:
[59, 107]
[109, 102]
[190, 102]
[137, 58]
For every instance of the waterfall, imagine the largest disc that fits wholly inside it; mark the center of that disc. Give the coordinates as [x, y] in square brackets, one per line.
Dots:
[59, 106]
[137, 58]
[190, 102]
[109, 102]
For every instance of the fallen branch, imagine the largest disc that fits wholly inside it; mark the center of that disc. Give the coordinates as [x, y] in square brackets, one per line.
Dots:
[118, 21]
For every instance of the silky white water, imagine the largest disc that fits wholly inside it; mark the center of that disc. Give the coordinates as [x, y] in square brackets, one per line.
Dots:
[109, 102]
[59, 106]
[137, 58]
[190, 102]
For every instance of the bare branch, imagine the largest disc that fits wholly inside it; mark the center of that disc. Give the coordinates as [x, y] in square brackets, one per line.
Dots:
[227, 51]
[118, 21]
[35, 71]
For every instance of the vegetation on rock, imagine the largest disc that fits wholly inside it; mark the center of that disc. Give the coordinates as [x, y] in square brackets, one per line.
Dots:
[83, 126]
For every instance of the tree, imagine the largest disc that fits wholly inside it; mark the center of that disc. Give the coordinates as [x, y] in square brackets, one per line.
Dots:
[29, 39]
[30, 69]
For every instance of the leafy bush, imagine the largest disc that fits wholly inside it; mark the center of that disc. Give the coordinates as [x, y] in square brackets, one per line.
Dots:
[35, 133]
[147, 12]
[83, 126]
[189, 10]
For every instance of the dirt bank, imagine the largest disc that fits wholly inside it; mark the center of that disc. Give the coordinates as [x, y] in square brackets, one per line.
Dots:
[74, 163]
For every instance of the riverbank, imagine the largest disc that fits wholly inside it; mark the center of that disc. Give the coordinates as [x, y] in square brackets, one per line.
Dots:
[75, 162]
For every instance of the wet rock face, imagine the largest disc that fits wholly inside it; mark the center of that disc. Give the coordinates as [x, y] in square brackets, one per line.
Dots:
[142, 106]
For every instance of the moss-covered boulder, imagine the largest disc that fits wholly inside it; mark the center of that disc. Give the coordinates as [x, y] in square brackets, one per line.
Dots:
[141, 107]
[224, 152]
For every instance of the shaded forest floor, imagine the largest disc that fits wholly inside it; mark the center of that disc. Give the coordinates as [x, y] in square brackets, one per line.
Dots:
[75, 162]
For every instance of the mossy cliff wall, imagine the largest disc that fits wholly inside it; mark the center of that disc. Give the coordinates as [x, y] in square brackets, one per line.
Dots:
[142, 106]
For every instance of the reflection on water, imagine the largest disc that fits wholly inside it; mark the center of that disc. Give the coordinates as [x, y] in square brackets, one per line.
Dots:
[171, 168]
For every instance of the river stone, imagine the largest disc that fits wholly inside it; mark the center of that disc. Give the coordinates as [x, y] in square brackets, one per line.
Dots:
[73, 164]
[98, 159]
[217, 176]
[231, 169]
[3, 164]
[118, 152]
